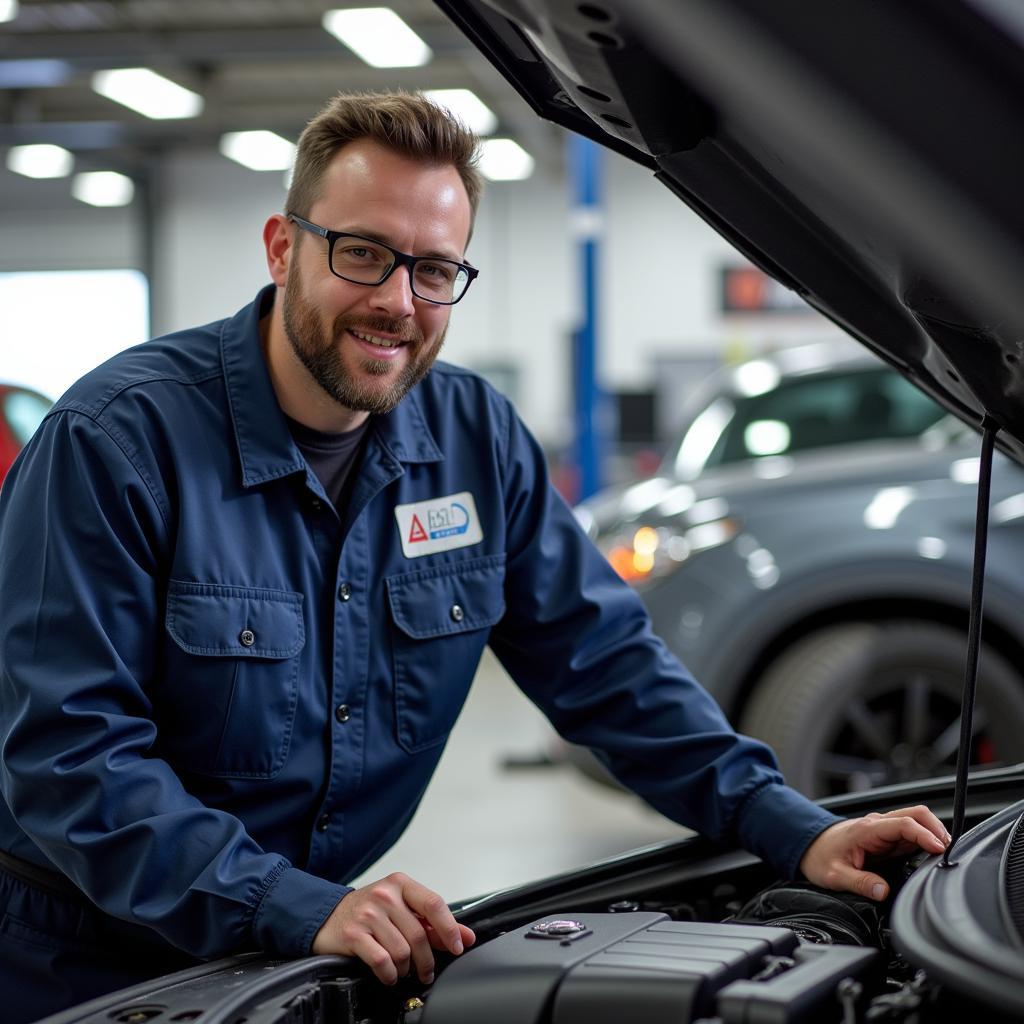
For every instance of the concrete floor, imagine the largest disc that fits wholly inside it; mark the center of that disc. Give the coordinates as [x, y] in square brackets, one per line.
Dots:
[482, 827]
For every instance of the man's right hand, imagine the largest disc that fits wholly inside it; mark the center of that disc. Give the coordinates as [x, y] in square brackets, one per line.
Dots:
[391, 925]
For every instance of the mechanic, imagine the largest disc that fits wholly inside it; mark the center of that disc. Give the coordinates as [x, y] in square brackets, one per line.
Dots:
[248, 572]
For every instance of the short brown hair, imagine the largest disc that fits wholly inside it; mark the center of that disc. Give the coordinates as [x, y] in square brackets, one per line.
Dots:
[405, 122]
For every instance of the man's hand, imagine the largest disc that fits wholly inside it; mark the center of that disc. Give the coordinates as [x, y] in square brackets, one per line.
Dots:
[835, 860]
[391, 925]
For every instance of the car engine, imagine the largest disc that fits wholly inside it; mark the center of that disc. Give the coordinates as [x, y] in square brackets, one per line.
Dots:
[682, 933]
[600, 968]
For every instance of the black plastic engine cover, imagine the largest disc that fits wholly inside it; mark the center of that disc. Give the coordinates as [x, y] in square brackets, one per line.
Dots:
[614, 967]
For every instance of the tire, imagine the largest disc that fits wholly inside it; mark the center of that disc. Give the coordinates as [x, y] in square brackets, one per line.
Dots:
[861, 704]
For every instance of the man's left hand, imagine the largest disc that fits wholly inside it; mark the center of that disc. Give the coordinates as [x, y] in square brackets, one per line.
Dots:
[835, 860]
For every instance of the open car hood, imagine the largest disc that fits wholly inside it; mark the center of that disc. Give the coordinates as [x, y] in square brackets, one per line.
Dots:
[869, 156]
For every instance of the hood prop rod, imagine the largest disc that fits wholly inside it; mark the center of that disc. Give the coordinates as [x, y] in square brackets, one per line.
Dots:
[963, 756]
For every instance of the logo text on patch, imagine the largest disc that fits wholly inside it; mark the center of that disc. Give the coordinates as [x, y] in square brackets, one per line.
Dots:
[439, 524]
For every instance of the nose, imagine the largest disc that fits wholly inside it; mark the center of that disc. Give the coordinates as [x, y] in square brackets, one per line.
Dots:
[394, 296]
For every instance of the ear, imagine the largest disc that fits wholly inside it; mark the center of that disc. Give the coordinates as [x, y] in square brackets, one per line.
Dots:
[278, 240]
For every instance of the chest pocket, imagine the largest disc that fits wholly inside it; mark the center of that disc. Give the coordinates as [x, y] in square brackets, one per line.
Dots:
[441, 619]
[230, 678]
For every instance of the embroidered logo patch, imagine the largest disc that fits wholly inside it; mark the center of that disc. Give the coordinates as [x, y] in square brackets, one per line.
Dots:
[440, 524]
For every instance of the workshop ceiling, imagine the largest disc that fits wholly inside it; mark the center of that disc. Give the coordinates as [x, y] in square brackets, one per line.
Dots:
[259, 64]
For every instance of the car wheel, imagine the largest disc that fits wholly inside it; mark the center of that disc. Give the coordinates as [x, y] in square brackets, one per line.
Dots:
[861, 705]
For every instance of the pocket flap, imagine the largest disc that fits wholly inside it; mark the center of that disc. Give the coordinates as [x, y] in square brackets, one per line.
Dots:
[448, 599]
[211, 619]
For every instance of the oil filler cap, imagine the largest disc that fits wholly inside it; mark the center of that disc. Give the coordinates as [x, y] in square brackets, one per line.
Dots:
[562, 929]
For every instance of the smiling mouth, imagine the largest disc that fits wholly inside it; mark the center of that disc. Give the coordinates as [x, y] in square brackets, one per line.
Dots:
[376, 340]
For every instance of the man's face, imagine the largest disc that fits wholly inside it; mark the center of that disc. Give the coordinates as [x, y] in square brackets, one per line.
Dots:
[364, 345]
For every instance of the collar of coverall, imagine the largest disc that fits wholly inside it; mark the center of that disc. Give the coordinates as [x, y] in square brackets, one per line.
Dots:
[266, 450]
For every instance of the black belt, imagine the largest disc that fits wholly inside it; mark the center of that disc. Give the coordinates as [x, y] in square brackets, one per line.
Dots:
[52, 882]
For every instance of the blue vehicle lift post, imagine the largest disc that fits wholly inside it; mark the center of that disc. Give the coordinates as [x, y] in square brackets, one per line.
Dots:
[587, 215]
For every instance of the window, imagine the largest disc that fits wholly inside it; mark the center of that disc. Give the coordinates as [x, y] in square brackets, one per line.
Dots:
[24, 411]
[57, 325]
[814, 411]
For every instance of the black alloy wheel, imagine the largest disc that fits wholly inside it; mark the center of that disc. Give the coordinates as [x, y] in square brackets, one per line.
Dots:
[859, 705]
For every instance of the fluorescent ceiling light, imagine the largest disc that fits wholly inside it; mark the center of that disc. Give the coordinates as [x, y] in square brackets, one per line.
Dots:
[148, 93]
[40, 161]
[258, 150]
[8, 10]
[378, 36]
[467, 106]
[103, 188]
[504, 160]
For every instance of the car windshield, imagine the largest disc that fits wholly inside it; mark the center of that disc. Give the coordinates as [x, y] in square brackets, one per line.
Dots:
[800, 413]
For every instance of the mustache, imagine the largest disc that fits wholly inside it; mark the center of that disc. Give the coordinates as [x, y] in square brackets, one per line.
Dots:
[404, 330]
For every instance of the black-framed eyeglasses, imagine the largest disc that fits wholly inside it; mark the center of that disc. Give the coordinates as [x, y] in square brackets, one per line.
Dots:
[368, 261]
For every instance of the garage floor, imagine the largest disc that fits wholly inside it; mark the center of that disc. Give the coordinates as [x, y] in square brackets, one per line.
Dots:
[483, 827]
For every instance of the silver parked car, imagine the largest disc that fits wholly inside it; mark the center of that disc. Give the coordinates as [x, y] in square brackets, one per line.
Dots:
[806, 550]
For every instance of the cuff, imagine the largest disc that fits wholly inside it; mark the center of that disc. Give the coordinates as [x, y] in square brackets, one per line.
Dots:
[778, 824]
[292, 910]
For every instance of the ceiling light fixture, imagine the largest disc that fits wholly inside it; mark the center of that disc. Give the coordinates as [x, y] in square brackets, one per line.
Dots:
[103, 188]
[33, 73]
[467, 106]
[148, 93]
[40, 161]
[504, 160]
[378, 36]
[258, 150]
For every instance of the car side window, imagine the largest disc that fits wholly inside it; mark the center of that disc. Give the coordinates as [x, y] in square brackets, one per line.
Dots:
[824, 410]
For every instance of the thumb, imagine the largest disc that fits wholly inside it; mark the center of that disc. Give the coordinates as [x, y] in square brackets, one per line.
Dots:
[864, 883]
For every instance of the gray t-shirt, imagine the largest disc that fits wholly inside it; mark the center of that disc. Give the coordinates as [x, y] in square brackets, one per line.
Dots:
[331, 456]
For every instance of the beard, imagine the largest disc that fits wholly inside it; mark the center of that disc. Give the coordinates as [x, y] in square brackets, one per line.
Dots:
[321, 354]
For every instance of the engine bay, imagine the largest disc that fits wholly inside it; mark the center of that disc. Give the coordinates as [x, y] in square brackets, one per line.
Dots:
[791, 952]
[681, 932]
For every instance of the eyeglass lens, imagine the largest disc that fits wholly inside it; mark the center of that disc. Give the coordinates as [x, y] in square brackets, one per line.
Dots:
[361, 261]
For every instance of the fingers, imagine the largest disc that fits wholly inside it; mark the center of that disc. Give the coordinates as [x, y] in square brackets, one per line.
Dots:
[433, 909]
[835, 859]
[467, 934]
[897, 831]
[887, 832]
[925, 817]
[408, 941]
[391, 926]
[378, 957]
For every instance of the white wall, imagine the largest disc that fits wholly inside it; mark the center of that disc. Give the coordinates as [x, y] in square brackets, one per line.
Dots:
[658, 270]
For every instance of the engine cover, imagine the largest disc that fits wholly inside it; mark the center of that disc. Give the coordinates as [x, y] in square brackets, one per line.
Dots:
[606, 968]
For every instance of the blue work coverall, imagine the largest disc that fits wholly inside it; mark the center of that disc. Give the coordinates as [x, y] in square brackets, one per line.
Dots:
[220, 699]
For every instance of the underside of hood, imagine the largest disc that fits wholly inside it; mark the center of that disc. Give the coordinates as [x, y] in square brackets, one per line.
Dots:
[869, 156]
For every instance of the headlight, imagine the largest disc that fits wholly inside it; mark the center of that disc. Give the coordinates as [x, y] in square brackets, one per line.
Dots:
[644, 553]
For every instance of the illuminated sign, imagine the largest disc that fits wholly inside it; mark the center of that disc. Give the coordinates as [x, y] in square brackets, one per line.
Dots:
[749, 290]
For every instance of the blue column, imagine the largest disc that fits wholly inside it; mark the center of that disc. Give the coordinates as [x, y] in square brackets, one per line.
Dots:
[587, 216]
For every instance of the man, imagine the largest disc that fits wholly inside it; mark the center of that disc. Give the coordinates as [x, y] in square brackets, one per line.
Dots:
[248, 572]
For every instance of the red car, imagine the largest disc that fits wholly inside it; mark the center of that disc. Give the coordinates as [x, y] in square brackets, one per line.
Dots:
[21, 411]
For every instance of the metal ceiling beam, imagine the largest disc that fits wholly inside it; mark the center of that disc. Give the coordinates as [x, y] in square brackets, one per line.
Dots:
[185, 47]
